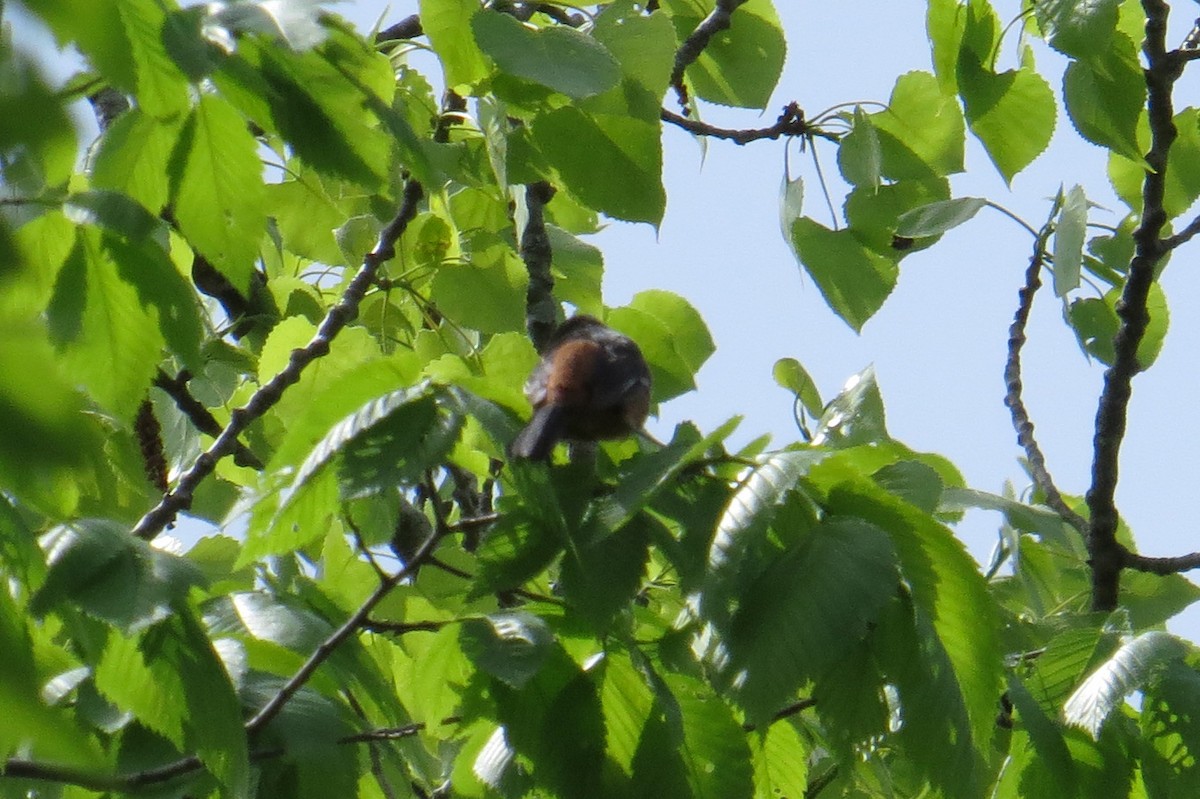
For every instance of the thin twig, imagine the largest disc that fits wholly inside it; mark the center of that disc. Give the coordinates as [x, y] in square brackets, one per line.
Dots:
[265, 398]
[790, 123]
[1013, 390]
[1107, 556]
[1171, 565]
[798, 706]
[1183, 236]
[20, 768]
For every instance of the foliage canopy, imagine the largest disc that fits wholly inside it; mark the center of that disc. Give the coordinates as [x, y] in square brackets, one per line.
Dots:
[294, 292]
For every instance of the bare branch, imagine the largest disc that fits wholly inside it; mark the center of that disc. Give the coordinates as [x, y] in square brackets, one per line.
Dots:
[1013, 390]
[718, 20]
[1162, 566]
[407, 28]
[1107, 556]
[1183, 236]
[790, 123]
[265, 398]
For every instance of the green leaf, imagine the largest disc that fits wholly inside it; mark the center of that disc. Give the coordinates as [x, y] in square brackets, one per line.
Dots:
[934, 714]
[860, 156]
[511, 646]
[1095, 323]
[98, 31]
[1130, 668]
[855, 416]
[806, 611]
[600, 578]
[936, 218]
[162, 89]
[578, 271]
[1170, 723]
[448, 24]
[921, 134]
[108, 341]
[689, 334]
[1046, 737]
[1069, 234]
[307, 218]
[739, 66]
[503, 280]
[915, 482]
[780, 762]
[742, 527]
[791, 376]
[611, 163]
[44, 415]
[874, 213]
[133, 158]
[791, 204]
[672, 375]
[644, 45]
[391, 430]
[1105, 95]
[949, 595]
[43, 142]
[853, 279]
[97, 565]
[690, 745]
[945, 23]
[1080, 30]
[1011, 113]
[1153, 599]
[558, 57]
[35, 728]
[218, 189]
[146, 687]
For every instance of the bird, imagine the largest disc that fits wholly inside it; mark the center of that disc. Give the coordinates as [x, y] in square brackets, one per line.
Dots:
[591, 383]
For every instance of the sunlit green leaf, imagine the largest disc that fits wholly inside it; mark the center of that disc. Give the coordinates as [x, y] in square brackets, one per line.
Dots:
[218, 189]
[612, 163]
[1012, 113]
[921, 134]
[790, 375]
[938, 217]
[1130, 668]
[1069, 234]
[853, 279]
[1104, 96]
[558, 57]
[448, 25]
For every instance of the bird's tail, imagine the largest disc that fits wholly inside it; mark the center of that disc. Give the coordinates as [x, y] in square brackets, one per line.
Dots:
[537, 439]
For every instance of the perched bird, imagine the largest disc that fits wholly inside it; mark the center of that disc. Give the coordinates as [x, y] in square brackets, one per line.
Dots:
[592, 383]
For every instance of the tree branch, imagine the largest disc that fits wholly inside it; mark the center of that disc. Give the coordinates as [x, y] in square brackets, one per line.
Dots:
[718, 20]
[19, 768]
[1162, 566]
[1183, 236]
[1013, 390]
[265, 398]
[790, 123]
[177, 389]
[1107, 556]
[541, 311]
